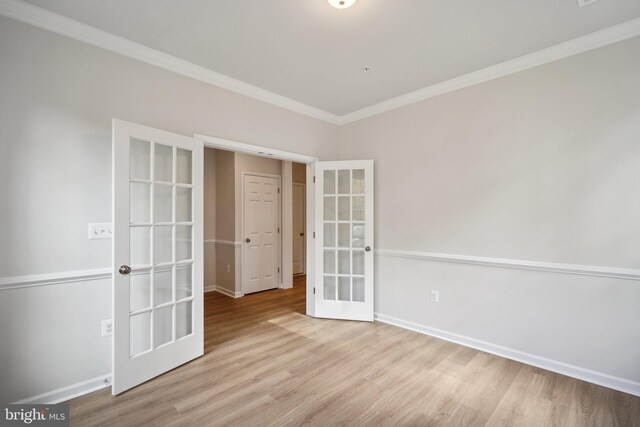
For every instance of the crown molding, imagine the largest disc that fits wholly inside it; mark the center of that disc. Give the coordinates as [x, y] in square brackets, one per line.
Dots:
[573, 47]
[42, 18]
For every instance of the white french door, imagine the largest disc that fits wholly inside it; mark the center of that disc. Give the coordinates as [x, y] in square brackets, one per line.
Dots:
[157, 252]
[344, 240]
[261, 225]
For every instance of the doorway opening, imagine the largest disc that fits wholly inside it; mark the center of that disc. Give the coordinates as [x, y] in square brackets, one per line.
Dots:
[254, 223]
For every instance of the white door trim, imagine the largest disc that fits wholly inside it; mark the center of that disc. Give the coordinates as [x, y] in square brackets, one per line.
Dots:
[244, 174]
[304, 225]
[256, 150]
[270, 153]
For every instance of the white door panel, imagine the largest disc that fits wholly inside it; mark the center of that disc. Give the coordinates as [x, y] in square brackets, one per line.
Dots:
[157, 252]
[261, 229]
[344, 240]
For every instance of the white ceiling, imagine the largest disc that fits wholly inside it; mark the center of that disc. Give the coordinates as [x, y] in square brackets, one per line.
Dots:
[312, 53]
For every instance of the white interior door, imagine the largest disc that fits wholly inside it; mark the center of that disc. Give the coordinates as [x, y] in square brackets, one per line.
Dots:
[298, 207]
[261, 218]
[344, 240]
[158, 252]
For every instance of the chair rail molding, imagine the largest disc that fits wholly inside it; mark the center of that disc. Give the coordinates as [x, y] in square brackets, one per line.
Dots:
[553, 267]
[222, 242]
[28, 281]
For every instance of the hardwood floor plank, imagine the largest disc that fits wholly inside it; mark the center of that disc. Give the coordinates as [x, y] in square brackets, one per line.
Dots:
[267, 364]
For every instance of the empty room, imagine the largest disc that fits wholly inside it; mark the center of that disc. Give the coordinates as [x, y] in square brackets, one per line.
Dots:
[320, 212]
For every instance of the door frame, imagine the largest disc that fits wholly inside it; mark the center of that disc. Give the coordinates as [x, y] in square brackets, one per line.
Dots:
[244, 174]
[304, 225]
[261, 151]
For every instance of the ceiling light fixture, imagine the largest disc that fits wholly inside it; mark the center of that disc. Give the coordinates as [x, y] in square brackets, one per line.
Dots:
[341, 4]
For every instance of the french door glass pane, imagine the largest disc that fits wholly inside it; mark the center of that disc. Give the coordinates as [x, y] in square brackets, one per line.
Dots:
[140, 245]
[329, 286]
[139, 333]
[139, 290]
[358, 235]
[329, 261]
[140, 203]
[162, 201]
[329, 235]
[343, 288]
[330, 208]
[162, 285]
[357, 186]
[343, 235]
[183, 204]
[184, 319]
[162, 244]
[358, 208]
[139, 159]
[358, 262]
[164, 163]
[183, 162]
[358, 289]
[184, 281]
[183, 242]
[162, 326]
[344, 259]
[329, 182]
[344, 208]
[343, 181]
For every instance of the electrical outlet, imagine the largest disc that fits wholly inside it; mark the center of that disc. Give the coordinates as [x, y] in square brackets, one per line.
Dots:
[107, 327]
[435, 297]
[103, 230]
[228, 268]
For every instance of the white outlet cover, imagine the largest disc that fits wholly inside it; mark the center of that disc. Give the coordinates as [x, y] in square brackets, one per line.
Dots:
[107, 327]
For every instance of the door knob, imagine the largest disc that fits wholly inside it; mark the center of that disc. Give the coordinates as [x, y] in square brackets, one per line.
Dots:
[248, 240]
[368, 249]
[124, 269]
[302, 234]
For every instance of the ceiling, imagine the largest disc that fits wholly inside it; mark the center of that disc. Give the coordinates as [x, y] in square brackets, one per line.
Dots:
[312, 53]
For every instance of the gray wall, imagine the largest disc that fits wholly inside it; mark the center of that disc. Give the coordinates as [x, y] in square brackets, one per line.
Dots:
[543, 165]
[57, 99]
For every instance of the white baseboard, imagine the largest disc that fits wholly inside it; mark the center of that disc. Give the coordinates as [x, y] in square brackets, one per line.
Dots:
[573, 371]
[229, 293]
[209, 288]
[69, 392]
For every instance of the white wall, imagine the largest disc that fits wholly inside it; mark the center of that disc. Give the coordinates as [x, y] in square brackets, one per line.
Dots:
[542, 165]
[57, 99]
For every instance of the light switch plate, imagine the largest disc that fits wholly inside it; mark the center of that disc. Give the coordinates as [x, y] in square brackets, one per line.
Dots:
[101, 230]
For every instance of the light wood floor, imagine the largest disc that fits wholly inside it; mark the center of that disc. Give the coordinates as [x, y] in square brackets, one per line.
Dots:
[267, 364]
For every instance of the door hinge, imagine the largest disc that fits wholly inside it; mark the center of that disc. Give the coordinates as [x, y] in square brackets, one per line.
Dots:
[278, 191]
[278, 269]
[314, 290]
[314, 234]
[278, 230]
[314, 179]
